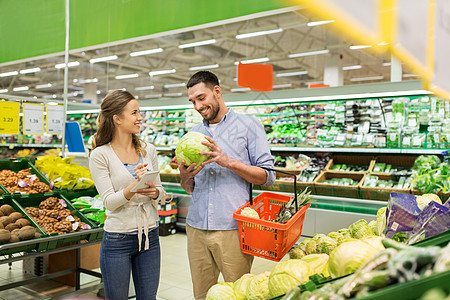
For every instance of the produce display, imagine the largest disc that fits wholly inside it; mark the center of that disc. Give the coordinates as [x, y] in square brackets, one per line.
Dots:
[430, 175]
[349, 168]
[23, 182]
[14, 227]
[91, 207]
[340, 181]
[189, 148]
[374, 181]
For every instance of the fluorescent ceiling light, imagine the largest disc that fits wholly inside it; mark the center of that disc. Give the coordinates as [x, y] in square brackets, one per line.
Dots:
[143, 88]
[317, 23]
[356, 47]
[291, 74]
[91, 80]
[324, 51]
[100, 59]
[69, 64]
[235, 79]
[240, 90]
[410, 75]
[355, 67]
[122, 89]
[21, 88]
[386, 64]
[99, 92]
[145, 52]
[173, 94]
[9, 74]
[382, 44]
[280, 86]
[174, 85]
[194, 44]
[127, 76]
[52, 103]
[153, 96]
[4, 91]
[367, 78]
[251, 61]
[43, 86]
[161, 72]
[258, 33]
[32, 70]
[204, 67]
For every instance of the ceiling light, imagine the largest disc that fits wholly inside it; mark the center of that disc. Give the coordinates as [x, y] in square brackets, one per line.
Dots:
[280, 86]
[258, 33]
[355, 67]
[9, 74]
[356, 47]
[4, 91]
[386, 64]
[42, 86]
[99, 92]
[174, 85]
[367, 78]
[21, 88]
[204, 67]
[91, 80]
[251, 61]
[127, 76]
[317, 23]
[100, 59]
[52, 103]
[153, 73]
[309, 53]
[70, 64]
[145, 52]
[153, 96]
[143, 88]
[410, 75]
[194, 44]
[32, 70]
[173, 94]
[382, 44]
[291, 74]
[240, 90]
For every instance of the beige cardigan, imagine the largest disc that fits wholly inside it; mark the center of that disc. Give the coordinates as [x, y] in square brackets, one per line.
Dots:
[111, 177]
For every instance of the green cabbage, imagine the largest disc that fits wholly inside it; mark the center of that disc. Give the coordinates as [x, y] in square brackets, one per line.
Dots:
[338, 237]
[425, 199]
[189, 148]
[296, 253]
[374, 241]
[249, 212]
[360, 229]
[318, 264]
[286, 275]
[311, 247]
[325, 245]
[302, 244]
[258, 287]
[345, 233]
[240, 286]
[349, 256]
[381, 220]
[373, 227]
[220, 291]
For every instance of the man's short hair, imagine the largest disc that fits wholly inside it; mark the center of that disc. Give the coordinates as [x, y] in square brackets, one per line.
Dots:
[207, 77]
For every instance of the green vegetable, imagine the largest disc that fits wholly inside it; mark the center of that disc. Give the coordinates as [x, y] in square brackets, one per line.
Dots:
[286, 275]
[401, 236]
[360, 229]
[189, 148]
[381, 221]
[338, 237]
[425, 199]
[345, 233]
[374, 241]
[296, 253]
[292, 294]
[373, 227]
[318, 264]
[433, 294]
[240, 286]
[258, 287]
[325, 245]
[250, 212]
[220, 291]
[310, 247]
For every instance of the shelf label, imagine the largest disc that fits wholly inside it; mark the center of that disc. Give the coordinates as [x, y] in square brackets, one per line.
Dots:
[33, 118]
[9, 120]
[55, 118]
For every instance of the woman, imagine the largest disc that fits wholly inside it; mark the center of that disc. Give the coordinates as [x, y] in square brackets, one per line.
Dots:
[117, 162]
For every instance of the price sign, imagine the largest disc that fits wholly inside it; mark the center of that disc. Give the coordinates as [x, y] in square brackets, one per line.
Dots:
[55, 117]
[33, 118]
[9, 120]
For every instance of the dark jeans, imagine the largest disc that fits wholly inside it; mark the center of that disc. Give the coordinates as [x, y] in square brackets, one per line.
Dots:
[119, 256]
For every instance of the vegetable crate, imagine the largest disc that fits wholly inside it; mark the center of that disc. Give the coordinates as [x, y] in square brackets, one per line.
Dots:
[265, 238]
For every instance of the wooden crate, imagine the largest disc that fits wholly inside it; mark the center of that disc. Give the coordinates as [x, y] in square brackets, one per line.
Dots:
[394, 160]
[351, 160]
[326, 189]
[380, 193]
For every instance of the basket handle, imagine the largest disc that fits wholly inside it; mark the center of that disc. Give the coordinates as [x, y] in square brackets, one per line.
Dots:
[279, 171]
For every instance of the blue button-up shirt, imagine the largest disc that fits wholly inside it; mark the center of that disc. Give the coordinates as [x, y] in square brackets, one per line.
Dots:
[218, 191]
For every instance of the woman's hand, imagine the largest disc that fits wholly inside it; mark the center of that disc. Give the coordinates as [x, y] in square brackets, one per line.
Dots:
[151, 191]
[140, 170]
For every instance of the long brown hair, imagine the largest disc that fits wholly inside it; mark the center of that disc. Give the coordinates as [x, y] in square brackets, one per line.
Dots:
[113, 104]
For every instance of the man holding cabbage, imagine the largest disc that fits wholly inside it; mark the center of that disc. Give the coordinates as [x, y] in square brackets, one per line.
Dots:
[218, 159]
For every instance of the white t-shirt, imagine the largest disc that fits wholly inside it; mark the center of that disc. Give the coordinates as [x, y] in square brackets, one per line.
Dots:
[212, 127]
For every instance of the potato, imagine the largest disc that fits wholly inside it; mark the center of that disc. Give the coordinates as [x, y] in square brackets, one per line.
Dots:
[11, 226]
[37, 235]
[1, 214]
[14, 238]
[26, 233]
[5, 220]
[15, 216]
[23, 222]
[1, 225]
[6, 209]
[5, 235]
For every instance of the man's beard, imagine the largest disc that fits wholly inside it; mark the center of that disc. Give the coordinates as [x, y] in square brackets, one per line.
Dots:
[214, 111]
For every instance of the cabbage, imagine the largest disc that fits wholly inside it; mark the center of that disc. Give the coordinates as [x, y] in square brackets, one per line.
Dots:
[220, 291]
[425, 199]
[302, 244]
[345, 233]
[373, 227]
[360, 229]
[286, 275]
[325, 245]
[189, 148]
[374, 241]
[296, 253]
[349, 256]
[249, 212]
[318, 236]
[311, 247]
[240, 286]
[318, 264]
[381, 220]
[258, 287]
[338, 237]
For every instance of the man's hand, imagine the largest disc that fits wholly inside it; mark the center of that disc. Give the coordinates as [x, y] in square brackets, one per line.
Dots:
[217, 154]
[187, 176]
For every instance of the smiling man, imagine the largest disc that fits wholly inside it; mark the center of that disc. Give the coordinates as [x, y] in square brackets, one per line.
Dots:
[221, 185]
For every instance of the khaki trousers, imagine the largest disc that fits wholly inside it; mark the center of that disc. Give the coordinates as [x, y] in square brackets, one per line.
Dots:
[212, 252]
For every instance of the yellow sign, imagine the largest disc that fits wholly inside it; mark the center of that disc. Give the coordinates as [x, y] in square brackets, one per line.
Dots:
[9, 120]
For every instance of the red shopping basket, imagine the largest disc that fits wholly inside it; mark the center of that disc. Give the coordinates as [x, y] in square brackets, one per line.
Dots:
[265, 238]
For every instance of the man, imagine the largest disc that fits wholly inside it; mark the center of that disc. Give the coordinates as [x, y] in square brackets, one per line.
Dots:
[220, 185]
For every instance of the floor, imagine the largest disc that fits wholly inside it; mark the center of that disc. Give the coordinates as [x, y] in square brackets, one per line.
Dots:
[175, 280]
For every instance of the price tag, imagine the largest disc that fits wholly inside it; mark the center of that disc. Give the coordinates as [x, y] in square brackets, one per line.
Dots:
[33, 118]
[55, 117]
[9, 119]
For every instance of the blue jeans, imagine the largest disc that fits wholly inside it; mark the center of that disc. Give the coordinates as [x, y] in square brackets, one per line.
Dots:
[120, 255]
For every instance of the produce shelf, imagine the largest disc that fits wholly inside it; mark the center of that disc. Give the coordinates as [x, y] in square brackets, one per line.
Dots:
[356, 150]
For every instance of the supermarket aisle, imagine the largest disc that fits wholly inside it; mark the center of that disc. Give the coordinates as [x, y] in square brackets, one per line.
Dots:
[175, 283]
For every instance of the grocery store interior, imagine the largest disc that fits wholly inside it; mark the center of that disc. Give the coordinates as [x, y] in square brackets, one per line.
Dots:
[355, 107]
